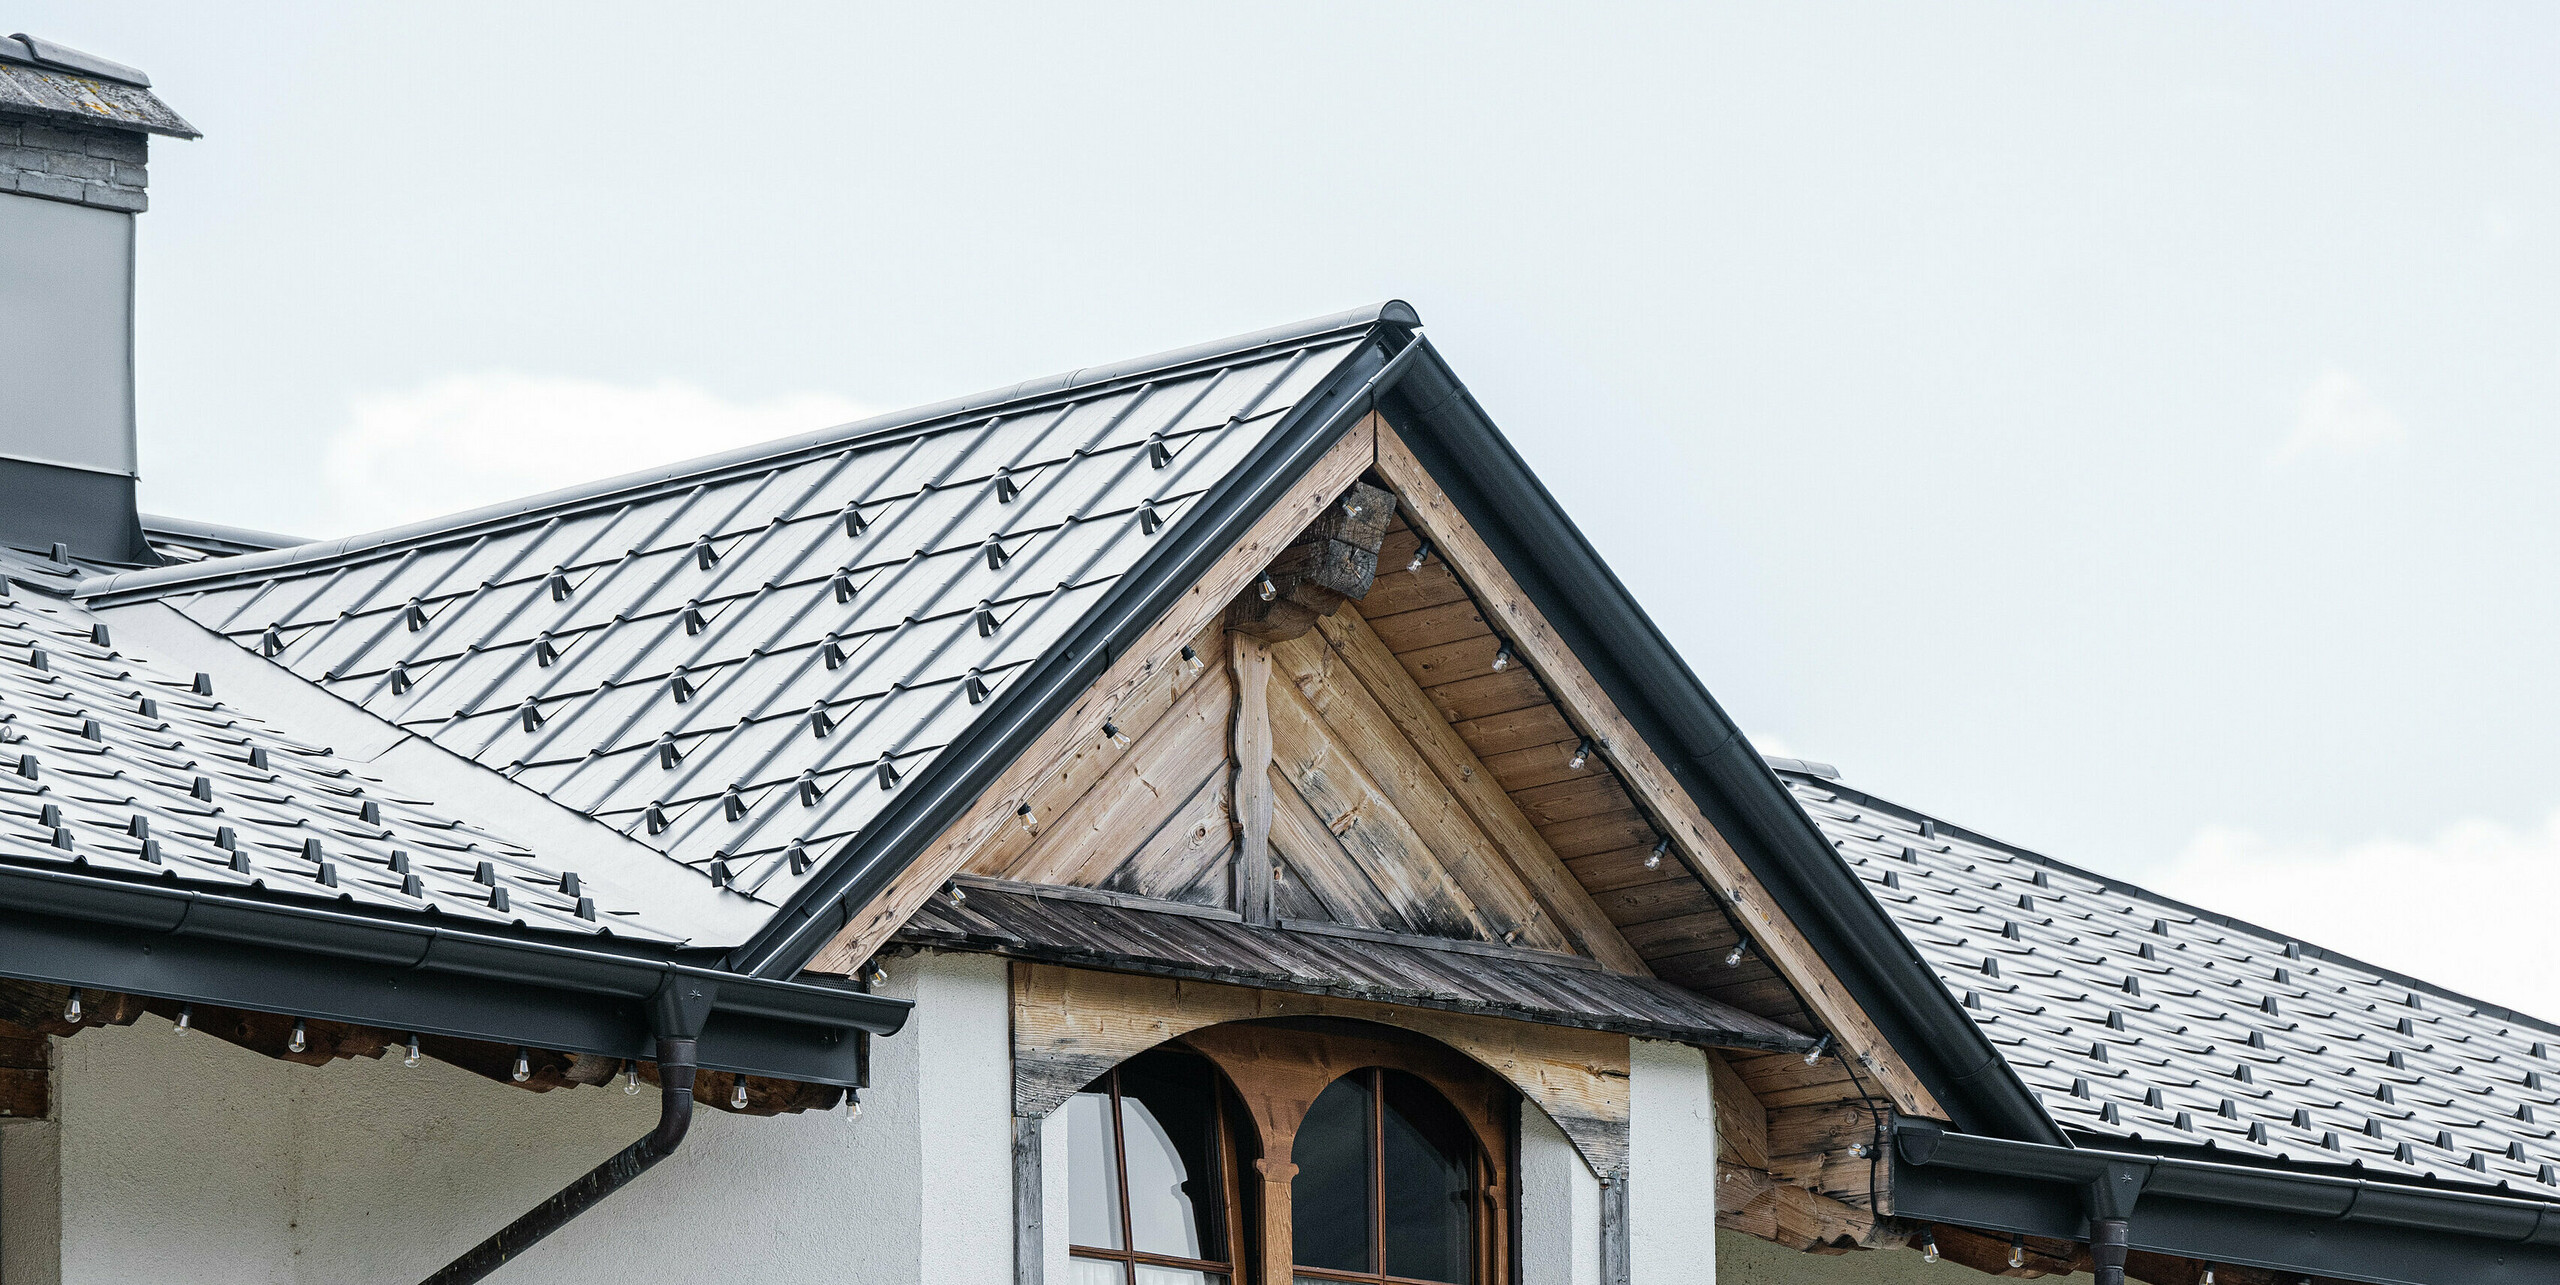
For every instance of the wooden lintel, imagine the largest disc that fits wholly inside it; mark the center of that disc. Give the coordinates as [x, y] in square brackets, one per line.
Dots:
[1508, 608]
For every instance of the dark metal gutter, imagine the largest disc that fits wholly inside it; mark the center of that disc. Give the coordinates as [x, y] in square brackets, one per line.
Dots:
[1597, 618]
[1031, 703]
[2352, 1228]
[74, 929]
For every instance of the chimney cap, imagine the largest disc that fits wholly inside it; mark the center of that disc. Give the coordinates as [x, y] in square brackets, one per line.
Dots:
[41, 78]
[40, 52]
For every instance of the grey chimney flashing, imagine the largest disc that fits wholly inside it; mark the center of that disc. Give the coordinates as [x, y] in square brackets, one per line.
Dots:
[74, 151]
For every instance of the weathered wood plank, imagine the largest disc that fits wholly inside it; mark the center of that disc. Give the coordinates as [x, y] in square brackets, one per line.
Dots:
[1621, 868]
[1485, 695]
[1742, 1126]
[1608, 832]
[1571, 800]
[1084, 763]
[1189, 859]
[1810, 1146]
[1199, 607]
[1429, 509]
[1665, 899]
[1379, 839]
[1249, 660]
[1425, 627]
[1137, 795]
[1324, 869]
[1482, 866]
[1462, 777]
[1030, 1210]
[1536, 765]
[1541, 724]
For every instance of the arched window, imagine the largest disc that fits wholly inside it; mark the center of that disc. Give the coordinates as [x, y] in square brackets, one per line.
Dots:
[1387, 1184]
[1151, 1148]
[1243, 1155]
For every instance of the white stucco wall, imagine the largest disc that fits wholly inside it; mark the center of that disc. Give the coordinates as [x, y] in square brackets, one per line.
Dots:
[187, 1159]
[1671, 1166]
[1559, 1206]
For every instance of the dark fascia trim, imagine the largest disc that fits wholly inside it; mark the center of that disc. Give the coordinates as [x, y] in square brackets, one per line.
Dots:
[969, 766]
[158, 582]
[1598, 619]
[2310, 951]
[2354, 1228]
[71, 929]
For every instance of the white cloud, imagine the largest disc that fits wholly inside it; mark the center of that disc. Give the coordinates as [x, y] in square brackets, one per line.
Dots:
[2337, 415]
[2470, 908]
[470, 440]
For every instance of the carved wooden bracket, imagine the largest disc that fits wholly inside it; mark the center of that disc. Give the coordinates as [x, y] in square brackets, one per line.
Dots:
[1334, 560]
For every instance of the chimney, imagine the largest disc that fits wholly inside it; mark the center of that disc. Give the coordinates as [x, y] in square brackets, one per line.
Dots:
[74, 130]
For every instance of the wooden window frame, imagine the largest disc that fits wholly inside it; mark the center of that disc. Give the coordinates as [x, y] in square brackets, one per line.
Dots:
[1230, 1194]
[1485, 1219]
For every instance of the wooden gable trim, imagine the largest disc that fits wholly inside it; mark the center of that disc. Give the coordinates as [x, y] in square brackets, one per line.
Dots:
[1429, 509]
[1147, 662]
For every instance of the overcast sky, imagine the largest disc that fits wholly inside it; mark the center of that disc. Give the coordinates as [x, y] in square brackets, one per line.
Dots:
[2128, 431]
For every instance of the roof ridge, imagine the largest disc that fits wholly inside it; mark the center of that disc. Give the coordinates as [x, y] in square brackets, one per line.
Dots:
[153, 582]
[2120, 887]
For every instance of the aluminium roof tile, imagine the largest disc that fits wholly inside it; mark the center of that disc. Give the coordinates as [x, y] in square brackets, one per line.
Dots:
[114, 764]
[730, 660]
[2131, 1016]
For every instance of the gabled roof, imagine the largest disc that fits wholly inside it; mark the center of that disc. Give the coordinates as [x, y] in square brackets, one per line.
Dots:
[2136, 1018]
[747, 663]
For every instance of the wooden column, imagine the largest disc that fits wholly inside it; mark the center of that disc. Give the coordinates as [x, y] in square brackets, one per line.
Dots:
[1030, 1233]
[1250, 660]
[1279, 1234]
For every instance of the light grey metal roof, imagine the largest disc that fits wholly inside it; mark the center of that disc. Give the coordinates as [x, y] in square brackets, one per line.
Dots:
[2132, 1016]
[736, 661]
[116, 764]
[41, 78]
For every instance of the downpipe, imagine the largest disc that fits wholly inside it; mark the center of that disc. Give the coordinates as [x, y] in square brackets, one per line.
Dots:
[675, 1115]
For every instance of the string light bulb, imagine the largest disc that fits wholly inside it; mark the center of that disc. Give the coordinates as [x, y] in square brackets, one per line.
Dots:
[301, 1038]
[738, 1096]
[1030, 820]
[1266, 590]
[71, 1010]
[630, 1079]
[1733, 957]
[879, 975]
[1420, 552]
[524, 1067]
[1653, 859]
[1928, 1247]
[853, 1104]
[1581, 755]
[186, 1018]
[2207, 1278]
[1191, 662]
[1502, 658]
[1111, 732]
[2017, 1251]
[412, 1058]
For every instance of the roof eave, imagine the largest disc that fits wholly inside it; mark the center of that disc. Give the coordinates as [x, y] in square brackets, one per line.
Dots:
[71, 929]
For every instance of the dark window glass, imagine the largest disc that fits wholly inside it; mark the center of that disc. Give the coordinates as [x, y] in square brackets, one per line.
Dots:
[1329, 1199]
[1147, 1204]
[1169, 1136]
[1428, 1166]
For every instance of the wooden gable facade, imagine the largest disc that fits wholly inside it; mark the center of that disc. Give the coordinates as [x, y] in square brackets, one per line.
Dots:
[1415, 760]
